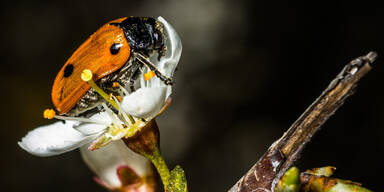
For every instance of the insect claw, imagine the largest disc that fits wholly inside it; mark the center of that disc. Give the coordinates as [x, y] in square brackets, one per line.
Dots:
[169, 82]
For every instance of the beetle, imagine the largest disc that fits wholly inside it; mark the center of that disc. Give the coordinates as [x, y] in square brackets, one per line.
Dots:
[114, 53]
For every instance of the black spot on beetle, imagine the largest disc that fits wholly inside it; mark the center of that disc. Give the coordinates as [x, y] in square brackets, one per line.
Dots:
[115, 48]
[68, 70]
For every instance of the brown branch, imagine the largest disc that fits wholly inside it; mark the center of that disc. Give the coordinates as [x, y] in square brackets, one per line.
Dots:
[264, 175]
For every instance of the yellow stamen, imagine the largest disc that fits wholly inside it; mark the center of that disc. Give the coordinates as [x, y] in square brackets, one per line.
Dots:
[119, 98]
[149, 75]
[49, 113]
[87, 76]
[115, 84]
[110, 96]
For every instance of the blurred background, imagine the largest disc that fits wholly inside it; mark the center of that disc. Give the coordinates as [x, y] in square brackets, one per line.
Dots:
[248, 70]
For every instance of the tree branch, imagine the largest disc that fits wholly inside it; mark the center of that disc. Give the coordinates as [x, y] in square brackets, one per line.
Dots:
[264, 175]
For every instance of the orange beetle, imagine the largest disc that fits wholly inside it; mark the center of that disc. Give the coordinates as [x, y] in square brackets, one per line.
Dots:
[106, 53]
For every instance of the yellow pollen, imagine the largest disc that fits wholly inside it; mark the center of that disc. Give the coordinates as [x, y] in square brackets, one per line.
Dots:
[86, 75]
[49, 113]
[119, 98]
[110, 96]
[149, 75]
[115, 84]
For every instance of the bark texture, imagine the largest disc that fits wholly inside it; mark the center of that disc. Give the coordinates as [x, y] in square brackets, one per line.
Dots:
[265, 174]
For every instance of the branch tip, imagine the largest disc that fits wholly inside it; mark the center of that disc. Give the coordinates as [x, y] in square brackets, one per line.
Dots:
[281, 155]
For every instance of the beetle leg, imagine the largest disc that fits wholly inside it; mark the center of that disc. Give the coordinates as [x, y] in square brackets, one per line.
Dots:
[133, 76]
[131, 83]
[152, 67]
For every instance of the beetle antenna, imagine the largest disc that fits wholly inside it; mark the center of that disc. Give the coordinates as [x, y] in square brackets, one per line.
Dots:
[152, 67]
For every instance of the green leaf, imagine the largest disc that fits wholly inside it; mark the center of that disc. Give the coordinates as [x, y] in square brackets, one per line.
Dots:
[177, 181]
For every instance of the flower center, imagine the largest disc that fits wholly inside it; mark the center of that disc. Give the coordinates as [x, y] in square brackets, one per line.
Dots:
[87, 76]
[117, 124]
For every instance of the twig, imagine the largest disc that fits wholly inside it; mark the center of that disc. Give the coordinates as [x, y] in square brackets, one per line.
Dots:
[264, 175]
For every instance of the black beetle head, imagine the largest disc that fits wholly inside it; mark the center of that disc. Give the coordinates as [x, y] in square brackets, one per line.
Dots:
[144, 34]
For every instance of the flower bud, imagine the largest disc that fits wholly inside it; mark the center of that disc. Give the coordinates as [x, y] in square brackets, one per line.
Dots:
[146, 140]
[120, 169]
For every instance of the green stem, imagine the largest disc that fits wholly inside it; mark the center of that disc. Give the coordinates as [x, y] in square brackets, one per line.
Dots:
[160, 165]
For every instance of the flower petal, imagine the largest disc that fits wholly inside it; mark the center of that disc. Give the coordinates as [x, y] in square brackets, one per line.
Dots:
[145, 102]
[54, 139]
[105, 161]
[92, 128]
[169, 61]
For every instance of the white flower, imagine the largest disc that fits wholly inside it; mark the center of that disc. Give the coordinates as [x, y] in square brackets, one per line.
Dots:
[102, 128]
[118, 167]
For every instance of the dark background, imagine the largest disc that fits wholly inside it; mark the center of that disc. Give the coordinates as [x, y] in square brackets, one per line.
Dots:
[248, 70]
